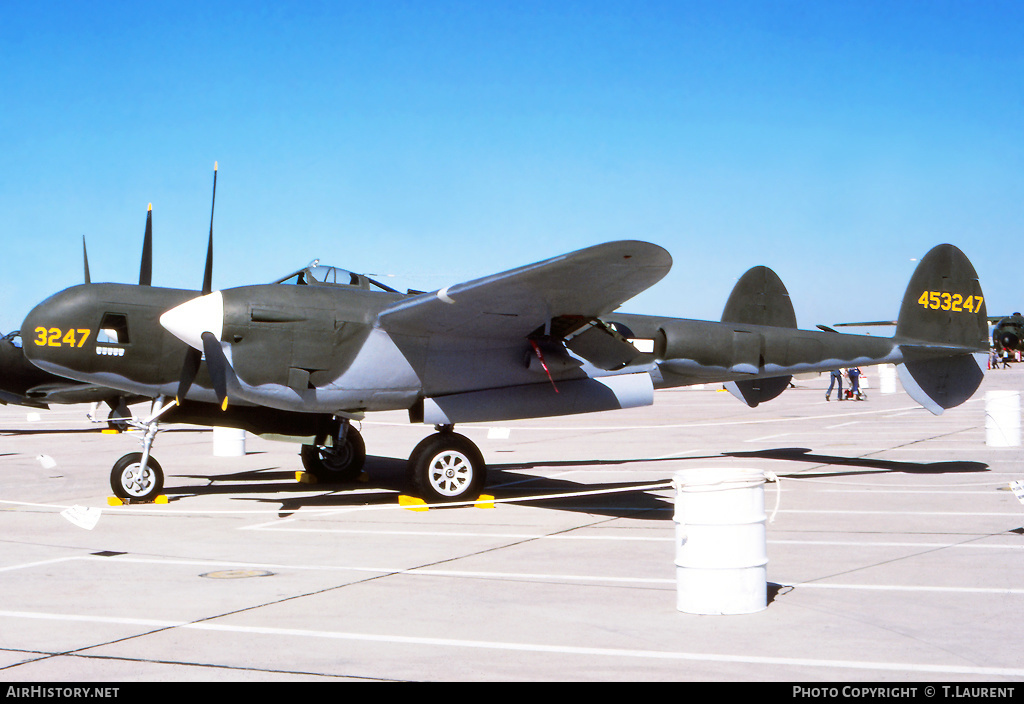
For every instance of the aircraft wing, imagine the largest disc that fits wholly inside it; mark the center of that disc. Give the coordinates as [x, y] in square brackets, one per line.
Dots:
[69, 392]
[7, 397]
[582, 284]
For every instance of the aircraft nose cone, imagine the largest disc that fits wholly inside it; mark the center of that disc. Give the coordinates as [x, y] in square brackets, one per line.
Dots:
[192, 318]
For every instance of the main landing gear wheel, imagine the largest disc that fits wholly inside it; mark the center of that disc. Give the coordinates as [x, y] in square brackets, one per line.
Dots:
[128, 482]
[342, 463]
[447, 467]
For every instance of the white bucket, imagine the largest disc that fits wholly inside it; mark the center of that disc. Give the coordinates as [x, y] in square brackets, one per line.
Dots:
[228, 442]
[887, 378]
[1002, 418]
[721, 546]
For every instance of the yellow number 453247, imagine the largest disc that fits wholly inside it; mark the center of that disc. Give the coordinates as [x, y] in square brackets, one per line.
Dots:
[936, 300]
[55, 337]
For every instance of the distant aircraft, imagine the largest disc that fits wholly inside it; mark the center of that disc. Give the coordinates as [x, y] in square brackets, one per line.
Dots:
[324, 346]
[24, 384]
[1007, 331]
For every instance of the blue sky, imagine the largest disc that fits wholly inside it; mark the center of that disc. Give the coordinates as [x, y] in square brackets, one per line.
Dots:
[433, 142]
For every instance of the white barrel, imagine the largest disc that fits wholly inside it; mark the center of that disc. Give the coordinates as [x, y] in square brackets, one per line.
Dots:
[721, 545]
[228, 442]
[887, 378]
[1002, 418]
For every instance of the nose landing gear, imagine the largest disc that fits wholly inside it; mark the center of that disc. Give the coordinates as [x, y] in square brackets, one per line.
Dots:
[137, 476]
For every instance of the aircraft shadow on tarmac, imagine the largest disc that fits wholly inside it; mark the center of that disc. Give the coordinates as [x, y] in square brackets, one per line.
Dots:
[869, 465]
[508, 481]
[388, 479]
[48, 431]
[74, 431]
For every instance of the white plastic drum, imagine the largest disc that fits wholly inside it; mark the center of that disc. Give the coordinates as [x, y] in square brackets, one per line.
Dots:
[1002, 418]
[887, 378]
[228, 442]
[721, 546]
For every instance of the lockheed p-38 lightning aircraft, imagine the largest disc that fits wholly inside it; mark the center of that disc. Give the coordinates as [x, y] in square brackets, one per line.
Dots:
[322, 347]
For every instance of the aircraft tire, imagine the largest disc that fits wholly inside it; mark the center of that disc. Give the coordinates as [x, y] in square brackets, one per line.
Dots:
[329, 466]
[447, 467]
[127, 485]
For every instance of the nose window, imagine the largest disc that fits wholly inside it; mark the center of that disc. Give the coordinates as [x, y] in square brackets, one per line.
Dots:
[114, 329]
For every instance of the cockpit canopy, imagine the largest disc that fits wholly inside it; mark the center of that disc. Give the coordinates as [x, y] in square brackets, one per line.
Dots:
[317, 274]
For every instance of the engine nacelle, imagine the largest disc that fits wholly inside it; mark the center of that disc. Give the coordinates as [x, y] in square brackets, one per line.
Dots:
[540, 400]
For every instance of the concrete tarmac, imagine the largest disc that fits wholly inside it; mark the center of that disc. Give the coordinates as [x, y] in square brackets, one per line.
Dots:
[895, 552]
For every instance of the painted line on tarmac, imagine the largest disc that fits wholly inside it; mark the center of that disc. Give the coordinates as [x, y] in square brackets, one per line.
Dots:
[281, 528]
[1009, 591]
[767, 437]
[273, 528]
[39, 563]
[480, 574]
[984, 514]
[869, 544]
[537, 648]
[320, 512]
[842, 425]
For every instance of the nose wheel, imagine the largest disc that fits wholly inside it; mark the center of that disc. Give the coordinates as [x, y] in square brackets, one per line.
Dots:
[447, 467]
[130, 479]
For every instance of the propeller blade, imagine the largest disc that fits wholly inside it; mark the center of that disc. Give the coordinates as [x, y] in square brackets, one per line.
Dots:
[217, 365]
[85, 257]
[208, 273]
[146, 268]
[188, 373]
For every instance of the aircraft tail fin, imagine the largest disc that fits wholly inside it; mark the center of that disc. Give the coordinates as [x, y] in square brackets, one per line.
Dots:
[942, 324]
[759, 298]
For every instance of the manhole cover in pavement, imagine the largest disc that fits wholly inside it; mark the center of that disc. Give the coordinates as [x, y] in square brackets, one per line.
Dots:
[236, 574]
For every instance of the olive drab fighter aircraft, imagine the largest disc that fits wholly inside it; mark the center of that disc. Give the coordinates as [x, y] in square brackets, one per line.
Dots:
[24, 384]
[307, 355]
[1008, 333]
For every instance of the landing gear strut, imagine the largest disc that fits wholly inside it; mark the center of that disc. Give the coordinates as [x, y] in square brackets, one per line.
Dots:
[446, 466]
[137, 475]
[342, 460]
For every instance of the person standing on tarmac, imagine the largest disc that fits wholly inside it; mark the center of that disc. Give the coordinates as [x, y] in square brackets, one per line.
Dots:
[837, 376]
[854, 374]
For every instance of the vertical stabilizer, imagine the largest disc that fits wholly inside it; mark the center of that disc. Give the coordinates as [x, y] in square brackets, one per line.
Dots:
[943, 310]
[759, 298]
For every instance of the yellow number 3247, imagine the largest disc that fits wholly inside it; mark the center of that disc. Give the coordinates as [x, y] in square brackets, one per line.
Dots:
[55, 337]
